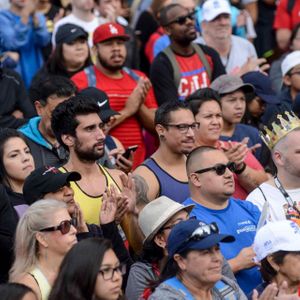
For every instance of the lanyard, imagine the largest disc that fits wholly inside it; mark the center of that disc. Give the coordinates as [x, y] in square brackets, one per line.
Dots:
[287, 197]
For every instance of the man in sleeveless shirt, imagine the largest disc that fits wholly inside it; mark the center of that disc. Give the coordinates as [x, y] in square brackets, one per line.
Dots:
[78, 127]
[165, 170]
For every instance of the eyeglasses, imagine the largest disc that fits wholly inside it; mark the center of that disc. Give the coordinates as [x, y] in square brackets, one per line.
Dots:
[182, 19]
[64, 227]
[219, 168]
[295, 73]
[173, 225]
[184, 128]
[203, 231]
[108, 273]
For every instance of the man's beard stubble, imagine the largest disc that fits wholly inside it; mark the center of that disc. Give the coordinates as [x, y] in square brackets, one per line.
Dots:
[87, 155]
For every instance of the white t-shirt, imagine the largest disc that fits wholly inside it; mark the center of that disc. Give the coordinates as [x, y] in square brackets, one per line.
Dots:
[241, 50]
[278, 206]
[89, 27]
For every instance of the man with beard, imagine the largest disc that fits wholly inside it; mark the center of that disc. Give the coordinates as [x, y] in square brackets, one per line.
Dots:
[129, 91]
[38, 132]
[211, 185]
[165, 171]
[183, 67]
[79, 129]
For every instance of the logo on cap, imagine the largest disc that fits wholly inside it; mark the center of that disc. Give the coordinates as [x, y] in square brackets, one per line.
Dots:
[52, 170]
[100, 104]
[73, 30]
[113, 29]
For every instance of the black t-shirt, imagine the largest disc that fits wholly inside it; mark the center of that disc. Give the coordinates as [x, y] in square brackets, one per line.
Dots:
[162, 77]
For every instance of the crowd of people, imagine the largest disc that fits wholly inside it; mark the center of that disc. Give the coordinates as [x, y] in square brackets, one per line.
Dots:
[149, 150]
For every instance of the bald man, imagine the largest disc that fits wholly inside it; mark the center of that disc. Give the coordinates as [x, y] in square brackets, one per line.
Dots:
[211, 186]
[286, 157]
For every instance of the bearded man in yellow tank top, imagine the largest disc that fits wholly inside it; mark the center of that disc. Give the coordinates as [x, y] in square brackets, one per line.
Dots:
[78, 127]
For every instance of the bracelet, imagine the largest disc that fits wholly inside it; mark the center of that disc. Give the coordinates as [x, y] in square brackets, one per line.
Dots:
[241, 170]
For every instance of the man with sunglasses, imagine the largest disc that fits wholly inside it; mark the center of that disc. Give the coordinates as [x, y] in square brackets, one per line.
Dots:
[183, 67]
[211, 186]
[165, 171]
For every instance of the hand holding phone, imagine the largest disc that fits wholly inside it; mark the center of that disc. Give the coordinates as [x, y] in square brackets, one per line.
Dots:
[129, 150]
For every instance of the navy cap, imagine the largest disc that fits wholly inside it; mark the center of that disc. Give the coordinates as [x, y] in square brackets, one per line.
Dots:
[102, 101]
[68, 33]
[262, 86]
[179, 242]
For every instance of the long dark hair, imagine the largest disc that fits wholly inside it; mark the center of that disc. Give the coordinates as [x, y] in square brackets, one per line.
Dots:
[56, 63]
[79, 270]
[14, 291]
[5, 135]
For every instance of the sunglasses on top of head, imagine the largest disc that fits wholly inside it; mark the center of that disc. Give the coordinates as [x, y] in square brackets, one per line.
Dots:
[182, 19]
[64, 227]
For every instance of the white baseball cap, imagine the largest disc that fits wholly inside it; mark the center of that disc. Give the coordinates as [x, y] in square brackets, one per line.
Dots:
[213, 8]
[276, 236]
[290, 61]
[157, 213]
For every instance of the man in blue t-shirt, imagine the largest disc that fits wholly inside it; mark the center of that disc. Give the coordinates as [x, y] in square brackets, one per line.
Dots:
[211, 187]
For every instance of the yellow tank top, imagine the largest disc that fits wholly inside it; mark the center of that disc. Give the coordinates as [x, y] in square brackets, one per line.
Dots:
[90, 205]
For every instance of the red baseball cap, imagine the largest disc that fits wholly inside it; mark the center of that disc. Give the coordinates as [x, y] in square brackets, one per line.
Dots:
[109, 31]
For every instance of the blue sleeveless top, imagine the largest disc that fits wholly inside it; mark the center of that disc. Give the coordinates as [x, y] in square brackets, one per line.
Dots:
[168, 185]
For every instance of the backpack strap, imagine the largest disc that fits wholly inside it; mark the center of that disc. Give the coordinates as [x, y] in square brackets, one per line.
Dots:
[203, 58]
[131, 73]
[225, 291]
[176, 71]
[179, 286]
[91, 76]
[290, 5]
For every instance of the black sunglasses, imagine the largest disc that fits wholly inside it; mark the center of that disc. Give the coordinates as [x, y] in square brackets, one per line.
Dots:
[219, 168]
[64, 227]
[182, 19]
[203, 231]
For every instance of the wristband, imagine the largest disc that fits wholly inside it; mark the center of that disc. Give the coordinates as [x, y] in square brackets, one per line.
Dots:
[241, 170]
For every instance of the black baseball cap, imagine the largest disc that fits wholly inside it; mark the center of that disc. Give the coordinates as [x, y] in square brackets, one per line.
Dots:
[68, 33]
[102, 101]
[46, 180]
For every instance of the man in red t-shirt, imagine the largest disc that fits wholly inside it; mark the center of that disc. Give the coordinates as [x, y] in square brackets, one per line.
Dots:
[286, 18]
[130, 92]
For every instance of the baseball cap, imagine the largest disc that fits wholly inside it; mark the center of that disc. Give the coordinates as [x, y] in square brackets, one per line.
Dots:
[213, 8]
[46, 180]
[262, 86]
[109, 31]
[195, 235]
[226, 84]
[157, 213]
[290, 61]
[276, 236]
[68, 33]
[102, 100]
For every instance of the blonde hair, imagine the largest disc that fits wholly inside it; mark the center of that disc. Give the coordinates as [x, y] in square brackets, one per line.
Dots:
[37, 217]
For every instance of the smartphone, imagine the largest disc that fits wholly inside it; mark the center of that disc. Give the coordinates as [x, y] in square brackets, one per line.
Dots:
[129, 150]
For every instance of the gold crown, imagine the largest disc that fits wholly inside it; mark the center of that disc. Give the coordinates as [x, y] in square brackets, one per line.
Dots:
[279, 128]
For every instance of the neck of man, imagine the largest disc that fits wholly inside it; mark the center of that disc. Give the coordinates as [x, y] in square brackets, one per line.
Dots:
[168, 157]
[85, 168]
[84, 15]
[51, 139]
[288, 181]
[183, 50]
[222, 46]
[117, 74]
[209, 201]
[228, 128]
[197, 289]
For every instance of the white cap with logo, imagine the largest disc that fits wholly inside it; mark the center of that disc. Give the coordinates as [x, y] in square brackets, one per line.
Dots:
[276, 236]
[213, 8]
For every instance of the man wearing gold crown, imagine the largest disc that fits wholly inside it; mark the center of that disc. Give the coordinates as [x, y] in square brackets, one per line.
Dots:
[280, 195]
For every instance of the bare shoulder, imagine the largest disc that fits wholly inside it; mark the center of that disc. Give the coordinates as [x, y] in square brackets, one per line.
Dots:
[115, 174]
[29, 281]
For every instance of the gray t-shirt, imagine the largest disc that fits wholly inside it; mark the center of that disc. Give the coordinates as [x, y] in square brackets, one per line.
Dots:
[166, 292]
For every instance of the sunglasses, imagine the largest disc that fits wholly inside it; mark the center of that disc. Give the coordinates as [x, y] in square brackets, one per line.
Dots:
[182, 19]
[219, 168]
[64, 227]
[203, 231]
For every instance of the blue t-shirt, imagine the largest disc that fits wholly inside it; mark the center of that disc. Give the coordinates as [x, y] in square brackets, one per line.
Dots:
[241, 131]
[239, 219]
